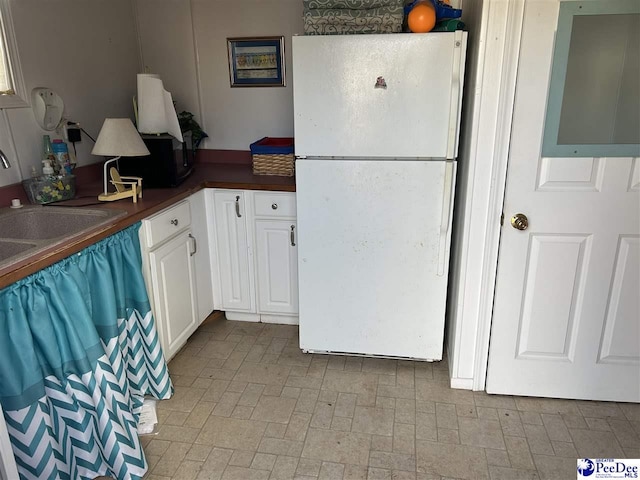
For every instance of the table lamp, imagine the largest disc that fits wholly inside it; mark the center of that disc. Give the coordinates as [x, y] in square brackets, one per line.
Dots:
[119, 137]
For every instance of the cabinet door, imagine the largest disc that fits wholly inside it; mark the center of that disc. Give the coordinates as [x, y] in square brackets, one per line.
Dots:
[277, 263]
[200, 212]
[233, 252]
[173, 274]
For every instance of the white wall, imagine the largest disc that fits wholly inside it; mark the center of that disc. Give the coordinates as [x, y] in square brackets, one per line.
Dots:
[87, 52]
[193, 54]
[167, 48]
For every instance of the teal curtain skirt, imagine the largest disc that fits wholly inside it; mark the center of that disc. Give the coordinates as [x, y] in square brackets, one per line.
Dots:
[78, 352]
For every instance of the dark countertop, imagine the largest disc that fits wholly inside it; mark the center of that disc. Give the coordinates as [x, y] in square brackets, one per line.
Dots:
[206, 175]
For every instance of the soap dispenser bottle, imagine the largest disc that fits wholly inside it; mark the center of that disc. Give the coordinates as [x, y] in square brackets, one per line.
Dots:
[47, 170]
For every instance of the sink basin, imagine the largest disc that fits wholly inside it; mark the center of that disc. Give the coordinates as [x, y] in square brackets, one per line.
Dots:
[29, 230]
[47, 223]
[9, 248]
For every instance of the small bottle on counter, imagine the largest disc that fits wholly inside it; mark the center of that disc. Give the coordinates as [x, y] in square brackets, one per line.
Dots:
[61, 153]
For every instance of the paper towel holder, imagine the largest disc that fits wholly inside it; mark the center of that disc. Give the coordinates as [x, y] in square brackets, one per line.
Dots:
[154, 107]
[47, 108]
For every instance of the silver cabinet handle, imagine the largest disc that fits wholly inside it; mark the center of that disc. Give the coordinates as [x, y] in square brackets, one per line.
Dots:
[274, 206]
[195, 245]
[238, 206]
[174, 222]
[293, 236]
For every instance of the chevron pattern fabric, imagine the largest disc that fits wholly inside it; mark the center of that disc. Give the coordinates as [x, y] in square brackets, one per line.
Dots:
[79, 351]
[86, 426]
[146, 368]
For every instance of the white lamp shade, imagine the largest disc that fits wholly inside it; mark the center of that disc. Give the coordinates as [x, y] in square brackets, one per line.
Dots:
[118, 137]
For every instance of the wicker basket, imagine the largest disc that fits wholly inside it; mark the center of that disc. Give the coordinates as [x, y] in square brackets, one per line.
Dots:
[273, 156]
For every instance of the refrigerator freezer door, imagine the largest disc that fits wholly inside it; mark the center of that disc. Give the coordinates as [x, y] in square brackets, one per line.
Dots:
[368, 256]
[378, 96]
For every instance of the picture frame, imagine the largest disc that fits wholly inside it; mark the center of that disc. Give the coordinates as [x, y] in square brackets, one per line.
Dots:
[256, 61]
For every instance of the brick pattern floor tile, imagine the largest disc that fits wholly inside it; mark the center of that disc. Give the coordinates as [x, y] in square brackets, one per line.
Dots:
[249, 404]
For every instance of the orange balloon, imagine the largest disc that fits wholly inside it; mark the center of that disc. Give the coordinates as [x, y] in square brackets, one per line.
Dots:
[422, 17]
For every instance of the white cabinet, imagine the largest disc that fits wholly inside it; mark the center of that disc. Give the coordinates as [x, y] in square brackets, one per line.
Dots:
[201, 227]
[174, 286]
[234, 265]
[256, 255]
[276, 256]
[277, 266]
[177, 270]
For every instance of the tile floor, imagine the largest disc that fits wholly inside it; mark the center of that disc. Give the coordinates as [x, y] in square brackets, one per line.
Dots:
[249, 405]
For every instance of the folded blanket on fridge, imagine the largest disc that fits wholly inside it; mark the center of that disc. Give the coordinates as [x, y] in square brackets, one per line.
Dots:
[347, 30]
[350, 4]
[347, 21]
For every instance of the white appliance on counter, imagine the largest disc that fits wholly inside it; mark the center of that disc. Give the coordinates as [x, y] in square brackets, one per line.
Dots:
[376, 137]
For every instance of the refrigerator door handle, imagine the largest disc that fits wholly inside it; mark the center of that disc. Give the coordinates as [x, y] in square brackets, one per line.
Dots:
[445, 219]
[457, 77]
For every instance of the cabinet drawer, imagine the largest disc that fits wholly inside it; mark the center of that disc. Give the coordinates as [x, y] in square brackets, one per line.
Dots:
[275, 204]
[167, 223]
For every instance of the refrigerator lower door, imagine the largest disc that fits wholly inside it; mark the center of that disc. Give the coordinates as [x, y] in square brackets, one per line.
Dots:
[373, 255]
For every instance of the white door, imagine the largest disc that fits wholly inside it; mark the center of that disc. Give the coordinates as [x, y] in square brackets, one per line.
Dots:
[368, 95]
[373, 255]
[566, 311]
[277, 257]
[233, 253]
[200, 212]
[173, 276]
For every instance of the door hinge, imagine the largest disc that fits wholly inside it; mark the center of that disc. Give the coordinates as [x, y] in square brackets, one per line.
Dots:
[502, 219]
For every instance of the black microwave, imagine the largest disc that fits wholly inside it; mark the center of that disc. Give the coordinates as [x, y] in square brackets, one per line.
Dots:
[168, 165]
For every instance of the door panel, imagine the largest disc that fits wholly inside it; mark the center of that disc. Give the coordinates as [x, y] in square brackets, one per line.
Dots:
[552, 309]
[277, 266]
[173, 271]
[569, 174]
[621, 326]
[233, 253]
[566, 309]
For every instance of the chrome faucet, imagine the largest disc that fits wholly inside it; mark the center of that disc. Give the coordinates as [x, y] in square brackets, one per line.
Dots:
[4, 160]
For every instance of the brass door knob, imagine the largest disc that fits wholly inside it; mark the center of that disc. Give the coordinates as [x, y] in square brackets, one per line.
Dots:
[519, 221]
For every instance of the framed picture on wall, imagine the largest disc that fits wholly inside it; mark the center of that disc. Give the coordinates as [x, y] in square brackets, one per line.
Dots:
[256, 61]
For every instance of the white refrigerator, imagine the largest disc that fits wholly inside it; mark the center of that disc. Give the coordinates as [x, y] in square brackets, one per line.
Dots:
[376, 121]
